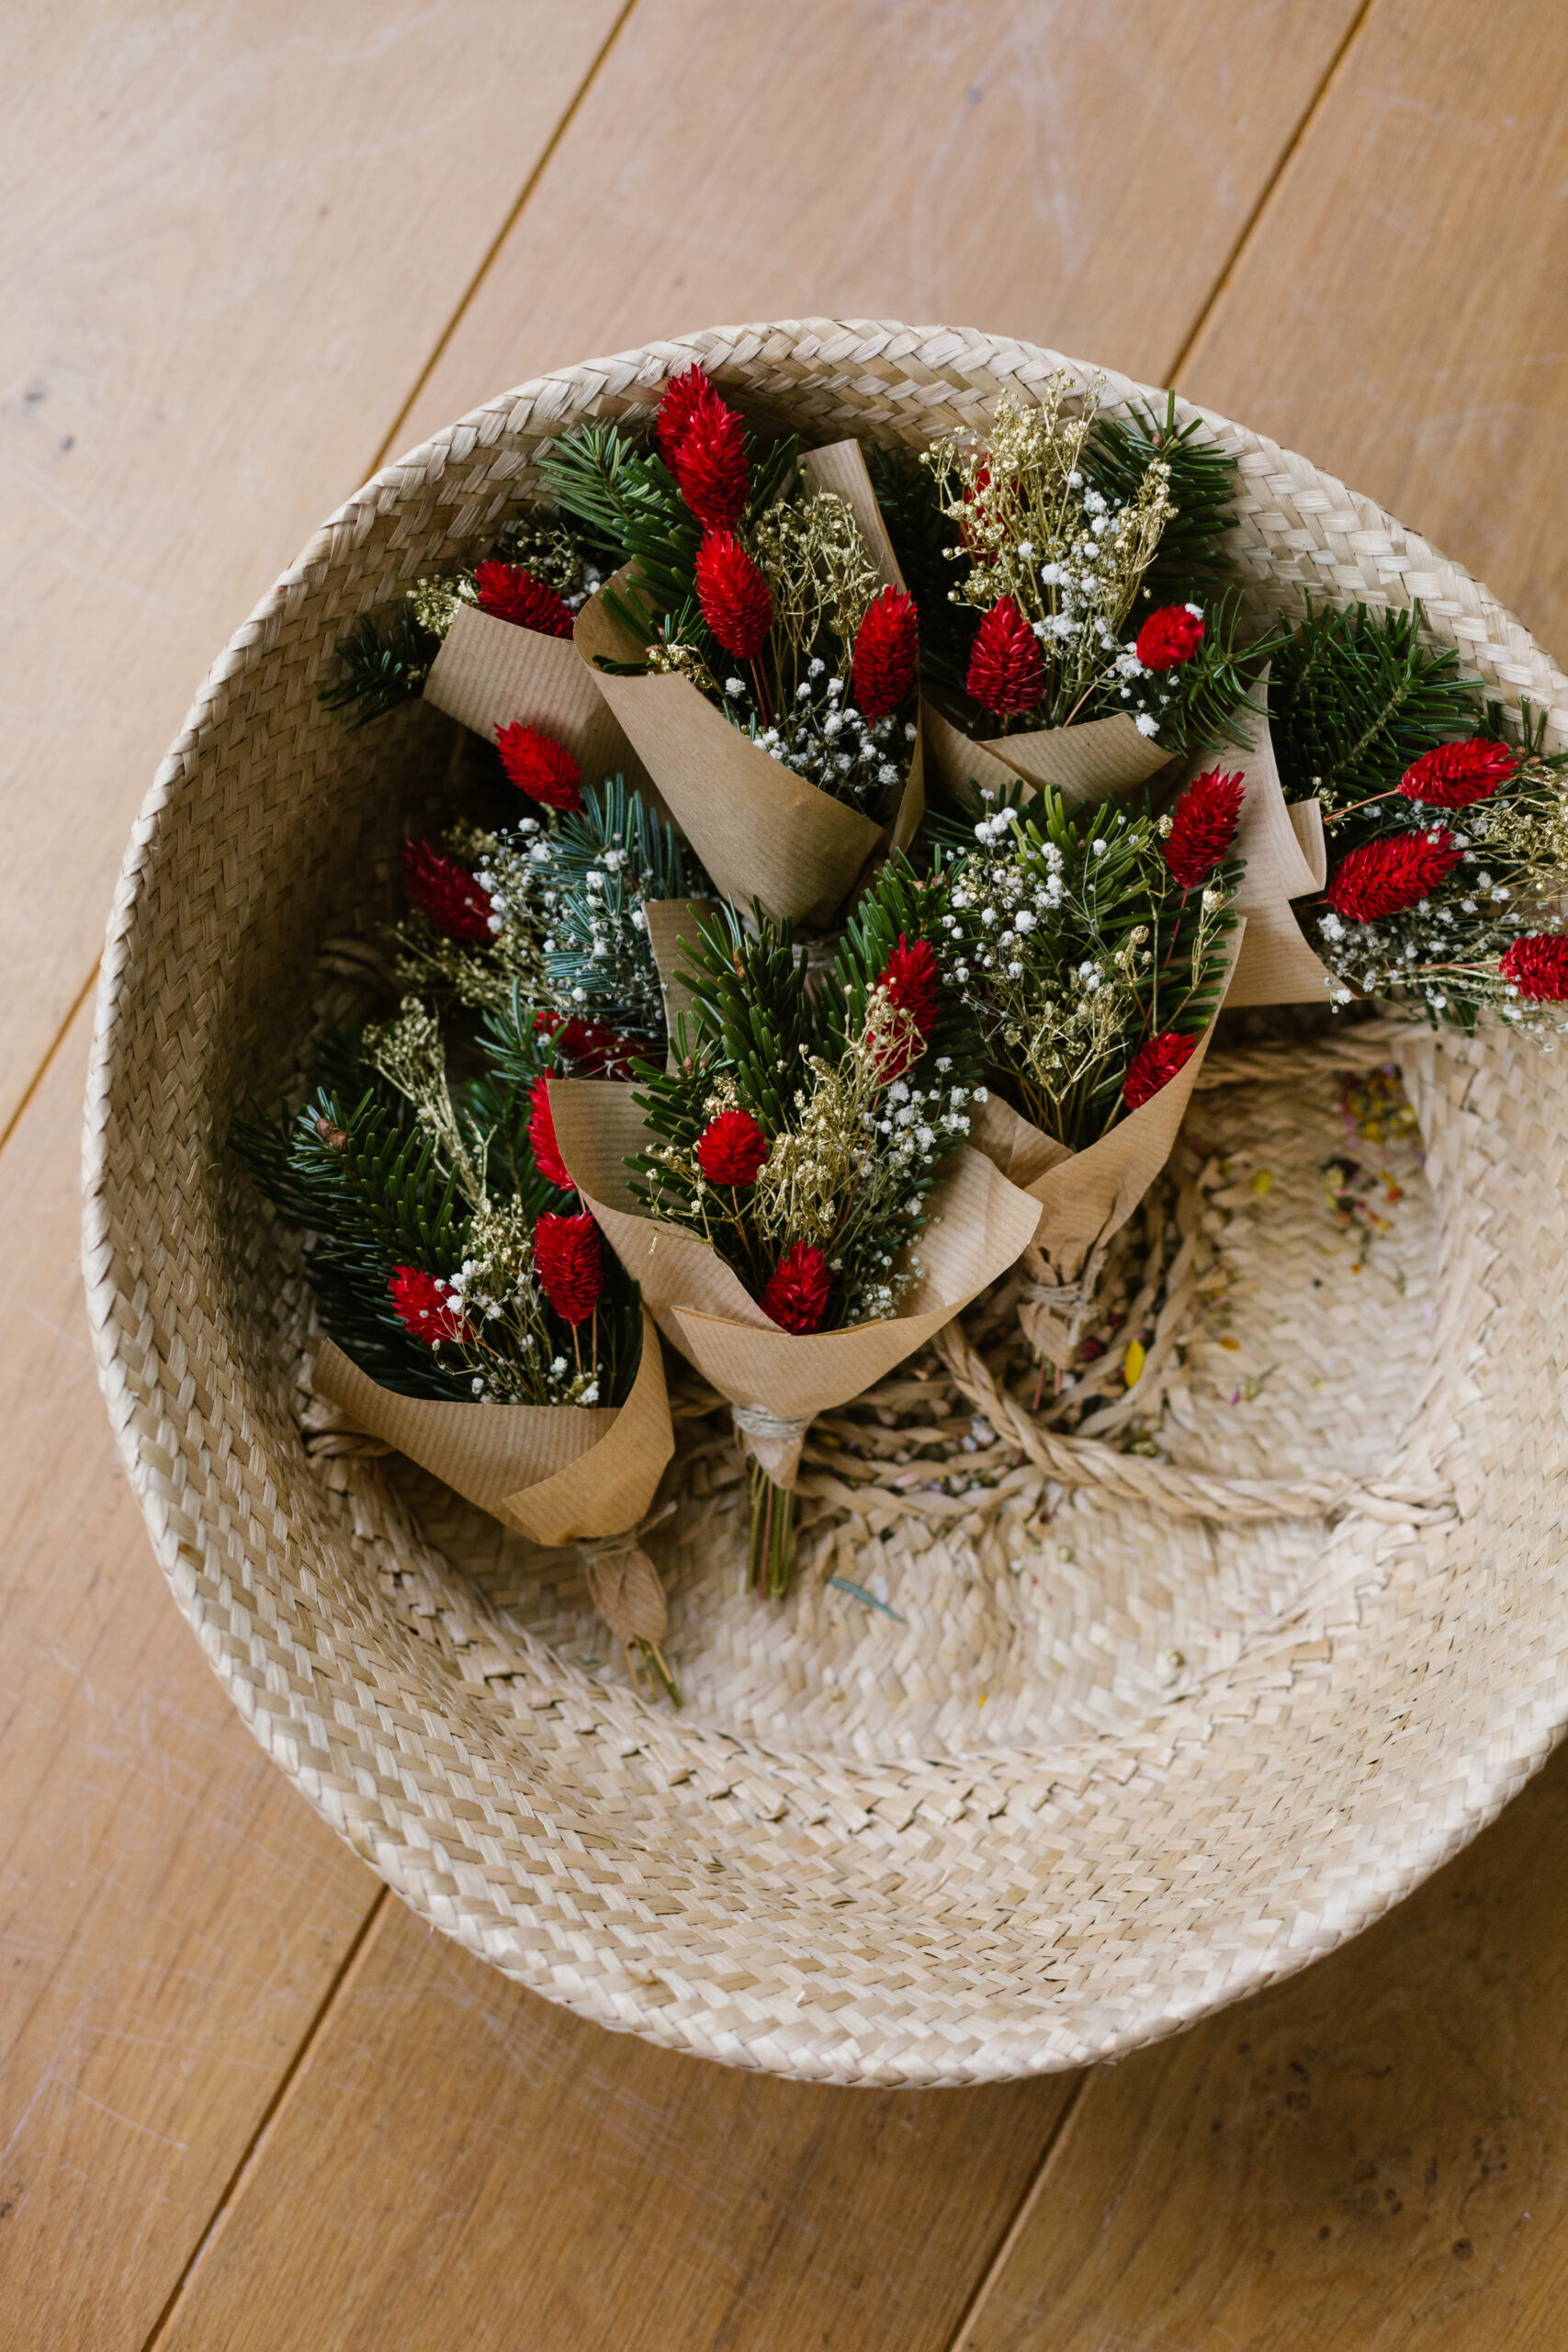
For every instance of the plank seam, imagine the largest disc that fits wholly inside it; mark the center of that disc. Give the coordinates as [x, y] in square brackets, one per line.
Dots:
[963, 2336]
[256, 2146]
[46, 1064]
[546, 158]
[1264, 195]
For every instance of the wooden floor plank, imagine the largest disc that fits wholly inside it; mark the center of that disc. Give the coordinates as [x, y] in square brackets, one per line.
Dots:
[1399, 315]
[461, 2163]
[230, 236]
[171, 1912]
[1371, 2155]
[1077, 176]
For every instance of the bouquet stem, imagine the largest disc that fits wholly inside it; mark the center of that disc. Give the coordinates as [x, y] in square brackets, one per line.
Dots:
[771, 1555]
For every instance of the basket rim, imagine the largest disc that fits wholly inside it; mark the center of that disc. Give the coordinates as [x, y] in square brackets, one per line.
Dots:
[1478, 621]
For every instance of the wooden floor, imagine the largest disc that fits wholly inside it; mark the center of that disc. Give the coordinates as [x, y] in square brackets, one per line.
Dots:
[250, 2103]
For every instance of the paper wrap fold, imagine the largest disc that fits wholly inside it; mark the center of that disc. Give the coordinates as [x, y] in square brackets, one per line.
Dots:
[762, 832]
[1096, 761]
[672, 926]
[558, 1474]
[491, 674]
[979, 1224]
[1287, 857]
[1083, 1197]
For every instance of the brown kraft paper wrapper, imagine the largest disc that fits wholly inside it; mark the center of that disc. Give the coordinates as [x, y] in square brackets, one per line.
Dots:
[1098, 761]
[672, 925]
[491, 674]
[701, 1305]
[1287, 858]
[762, 832]
[558, 1474]
[1083, 1197]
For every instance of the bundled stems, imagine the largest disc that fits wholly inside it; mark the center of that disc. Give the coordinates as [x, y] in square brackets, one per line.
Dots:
[769, 1557]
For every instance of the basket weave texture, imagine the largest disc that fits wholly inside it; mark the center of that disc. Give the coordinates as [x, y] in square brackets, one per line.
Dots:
[1107, 1775]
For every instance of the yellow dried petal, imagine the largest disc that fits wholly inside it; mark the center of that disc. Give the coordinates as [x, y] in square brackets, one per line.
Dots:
[1261, 1182]
[1136, 1358]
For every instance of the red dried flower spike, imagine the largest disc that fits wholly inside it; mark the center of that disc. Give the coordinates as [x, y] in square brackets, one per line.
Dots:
[510, 594]
[731, 1149]
[684, 396]
[886, 654]
[911, 977]
[734, 595]
[1383, 877]
[592, 1051]
[710, 464]
[542, 1139]
[1169, 637]
[570, 1268]
[1154, 1065]
[1203, 826]
[540, 766]
[797, 1294]
[1456, 776]
[442, 889]
[422, 1307]
[1537, 966]
[1007, 670]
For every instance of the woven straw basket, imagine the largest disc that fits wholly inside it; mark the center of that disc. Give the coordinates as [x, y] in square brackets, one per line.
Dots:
[1072, 1785]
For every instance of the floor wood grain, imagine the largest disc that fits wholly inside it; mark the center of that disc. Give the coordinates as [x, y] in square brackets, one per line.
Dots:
[230, 238]
[243, 2103]
[172, 1914]
[1077, 174]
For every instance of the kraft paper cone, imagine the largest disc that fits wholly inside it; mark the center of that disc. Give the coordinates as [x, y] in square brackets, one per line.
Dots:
[671, 924]
[558, 1474]
[1287, 858]
[489, 673]
[1083, 1197]
[762, 832]
[1096, 761]
[980, 1224]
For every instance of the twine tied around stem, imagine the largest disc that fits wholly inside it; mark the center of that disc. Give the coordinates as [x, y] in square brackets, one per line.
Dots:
[773, 1439]
[1053, 1314]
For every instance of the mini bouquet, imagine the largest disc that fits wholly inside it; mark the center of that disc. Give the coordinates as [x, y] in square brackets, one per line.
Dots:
[1447, 844]
[760, 650]
[1067, 524]
[1093, 948]
[472, 1320]
[491, 646]
[794, 1195]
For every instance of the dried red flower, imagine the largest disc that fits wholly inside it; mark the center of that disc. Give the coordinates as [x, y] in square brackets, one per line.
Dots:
[796, 1293]
[1455, 776]
[1537, 966]
[1203, 826]
[1007, 670]
[912, 978]
[442, 889]
[1155, 1064]
[592, 1051]
[887, 653]
[509, 594]
[734, 595]
[1383, 877]
[731, 1149]
[684, 396]
[710, 464]
[540, 766]
[423, 1307]
[542, 1139]
[1169, 637]
[568, 1263]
